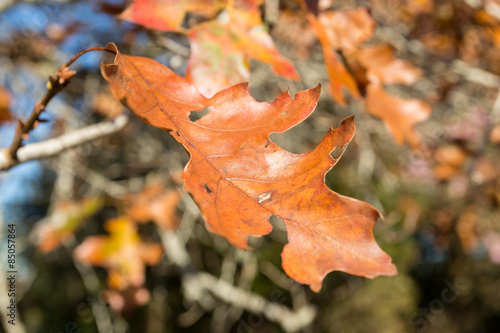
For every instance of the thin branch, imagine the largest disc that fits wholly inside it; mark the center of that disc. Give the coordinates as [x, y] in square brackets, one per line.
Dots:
[55, 146]
[54, 86]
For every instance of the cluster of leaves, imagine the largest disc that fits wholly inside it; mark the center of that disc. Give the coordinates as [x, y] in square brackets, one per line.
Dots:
[122, 253]
[230, 33]
[367, 69]
[221, 47]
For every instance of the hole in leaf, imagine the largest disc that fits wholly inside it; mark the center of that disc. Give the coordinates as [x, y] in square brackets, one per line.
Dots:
[108, 58]
[295, 139]
[196, 115]
[279, 231]
[208, 189]
[337, 152]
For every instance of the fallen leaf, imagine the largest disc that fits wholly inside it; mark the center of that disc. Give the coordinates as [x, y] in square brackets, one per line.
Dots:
[399, 114]
[122, 253]
[239, 177]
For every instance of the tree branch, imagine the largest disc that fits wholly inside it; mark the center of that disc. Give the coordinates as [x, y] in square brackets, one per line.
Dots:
[54, 86]
[55, 146]
[199, 286]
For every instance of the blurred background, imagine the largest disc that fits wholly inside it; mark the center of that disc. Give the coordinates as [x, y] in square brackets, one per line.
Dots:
[440, 202]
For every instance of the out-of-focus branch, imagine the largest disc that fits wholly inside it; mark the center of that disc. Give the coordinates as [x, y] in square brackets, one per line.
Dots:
[476, 75]
[55, 146]
[200, 287]
[291, 321]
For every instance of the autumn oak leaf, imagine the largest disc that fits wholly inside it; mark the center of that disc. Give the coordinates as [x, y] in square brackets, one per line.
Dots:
[239, 178]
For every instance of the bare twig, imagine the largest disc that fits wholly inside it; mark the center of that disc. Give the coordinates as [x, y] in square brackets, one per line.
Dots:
[54, 86]
[55, 146]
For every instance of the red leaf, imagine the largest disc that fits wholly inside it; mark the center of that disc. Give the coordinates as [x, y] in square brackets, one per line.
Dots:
[239, 178]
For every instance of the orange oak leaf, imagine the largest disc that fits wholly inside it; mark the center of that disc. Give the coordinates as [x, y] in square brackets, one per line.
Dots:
[156, 204]
[339, 75]
[239, 177]
[122, 253]
[399, 114]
